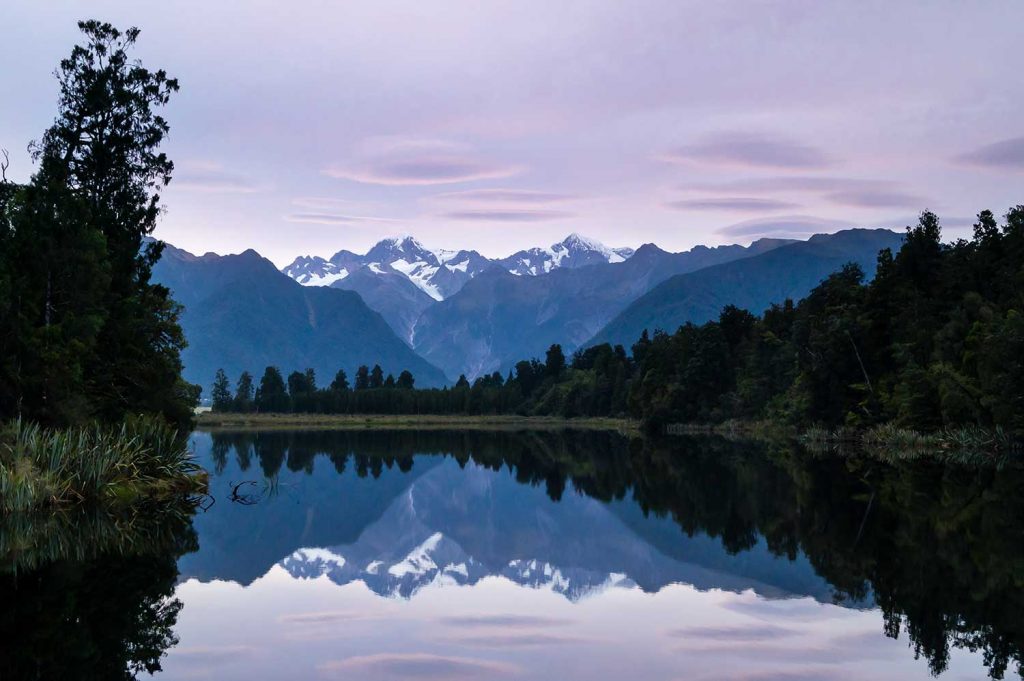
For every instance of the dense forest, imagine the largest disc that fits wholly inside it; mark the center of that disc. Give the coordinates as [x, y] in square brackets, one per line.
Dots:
[935, 340]
[84, 333]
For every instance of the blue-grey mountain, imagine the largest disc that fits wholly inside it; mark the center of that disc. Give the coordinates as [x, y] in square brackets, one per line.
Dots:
[242, 314]
[753, 284]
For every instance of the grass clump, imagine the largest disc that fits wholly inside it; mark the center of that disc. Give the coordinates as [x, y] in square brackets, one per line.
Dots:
[889, 442]
[141, 459]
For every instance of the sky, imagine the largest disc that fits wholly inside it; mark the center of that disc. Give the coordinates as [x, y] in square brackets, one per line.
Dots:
[308, 126]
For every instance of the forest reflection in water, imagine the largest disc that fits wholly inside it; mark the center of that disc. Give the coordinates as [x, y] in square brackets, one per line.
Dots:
[937, 549]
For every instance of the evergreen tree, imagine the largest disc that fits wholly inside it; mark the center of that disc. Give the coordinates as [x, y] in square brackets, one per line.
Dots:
[555, 361]
[340, 382]
[362, 377]
[376, 377]
[406, 380]
[221, 392]
[84, 332]
[389, 382]
[244, 393]
[271, 396]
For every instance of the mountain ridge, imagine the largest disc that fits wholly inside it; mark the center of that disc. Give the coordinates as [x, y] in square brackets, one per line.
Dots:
[242, 314]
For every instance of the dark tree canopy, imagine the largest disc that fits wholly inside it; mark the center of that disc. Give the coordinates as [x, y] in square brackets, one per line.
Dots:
[83, 332]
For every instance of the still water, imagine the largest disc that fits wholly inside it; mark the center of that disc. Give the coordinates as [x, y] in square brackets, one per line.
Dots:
[537, 555]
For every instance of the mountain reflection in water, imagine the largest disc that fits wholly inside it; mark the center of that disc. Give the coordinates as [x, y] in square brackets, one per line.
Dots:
[573, 554]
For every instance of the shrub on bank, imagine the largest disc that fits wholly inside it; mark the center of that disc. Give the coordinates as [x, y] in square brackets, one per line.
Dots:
[141, 459]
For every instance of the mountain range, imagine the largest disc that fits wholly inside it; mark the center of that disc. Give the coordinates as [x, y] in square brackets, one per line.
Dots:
[400, 278]
[242, 314]
[441, 314]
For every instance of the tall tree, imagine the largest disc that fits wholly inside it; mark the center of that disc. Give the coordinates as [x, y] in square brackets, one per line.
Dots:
[376, 377]
[555, 361]
[362, 377]
[244, 393]
[89, 334]
[221, 392]
[271, 395]
[340, 382]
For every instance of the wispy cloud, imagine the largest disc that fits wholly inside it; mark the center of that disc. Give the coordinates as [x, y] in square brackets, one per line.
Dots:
[870, 198]
[750, 150]
[504, 621]
[211, 178]
[787, 225]
[417, 162]
[418, 666]
[510, 215]
[842, 191]
[315, 218]
[744, 204]
[756, 632]
[799, 184]
[503, 197]
[1004, 154]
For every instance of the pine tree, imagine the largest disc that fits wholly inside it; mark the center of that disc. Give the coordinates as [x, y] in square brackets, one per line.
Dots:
[376, 377]
[244, 393]
[406, 380]
[555, 361]
[271, 396]
[362, 377]
[340, 382]
[221, 393]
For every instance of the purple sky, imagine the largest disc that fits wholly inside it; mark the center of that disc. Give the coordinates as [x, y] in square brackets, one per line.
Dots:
[310, 126]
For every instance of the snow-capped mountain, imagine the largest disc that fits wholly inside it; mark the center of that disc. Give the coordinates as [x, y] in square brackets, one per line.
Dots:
[442, 273]
[573, 251]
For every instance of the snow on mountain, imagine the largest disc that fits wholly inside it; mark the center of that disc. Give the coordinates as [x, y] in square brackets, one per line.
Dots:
[315, 271]
[441, 273]
[440, 561]
[573, 251]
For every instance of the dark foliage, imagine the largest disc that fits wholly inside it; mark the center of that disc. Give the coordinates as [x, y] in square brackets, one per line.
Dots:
[84, 333]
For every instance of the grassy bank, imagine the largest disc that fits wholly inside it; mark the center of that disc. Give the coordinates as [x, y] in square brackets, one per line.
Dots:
[141, 460]
[211, 420]
[969, 445]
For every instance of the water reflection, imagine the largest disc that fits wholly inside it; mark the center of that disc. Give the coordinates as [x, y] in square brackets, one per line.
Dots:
[399, 554]
[936, 549]
[86, 595]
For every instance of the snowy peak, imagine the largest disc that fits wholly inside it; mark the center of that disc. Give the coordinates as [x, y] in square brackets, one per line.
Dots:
[441, 273]
[315, 271]
[404, 248]
[573, 251]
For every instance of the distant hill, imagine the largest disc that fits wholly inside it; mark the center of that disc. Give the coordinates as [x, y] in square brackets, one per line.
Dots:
[754, 283]
[241, 313]
[498, 318]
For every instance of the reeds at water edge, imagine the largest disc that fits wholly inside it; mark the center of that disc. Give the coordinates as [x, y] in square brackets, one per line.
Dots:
[138, 460]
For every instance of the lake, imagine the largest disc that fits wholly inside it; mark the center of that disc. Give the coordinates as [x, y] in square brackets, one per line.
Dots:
[553, 554]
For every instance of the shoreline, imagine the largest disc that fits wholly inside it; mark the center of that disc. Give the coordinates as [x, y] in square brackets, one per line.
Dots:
[210, 421]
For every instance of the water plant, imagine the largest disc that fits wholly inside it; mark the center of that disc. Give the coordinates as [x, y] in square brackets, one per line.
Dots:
[140, 460]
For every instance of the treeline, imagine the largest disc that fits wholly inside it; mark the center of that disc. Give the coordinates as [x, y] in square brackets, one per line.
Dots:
[84, 332]
[935, 340]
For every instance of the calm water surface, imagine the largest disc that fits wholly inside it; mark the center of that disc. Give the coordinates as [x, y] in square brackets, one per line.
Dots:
[552, 555]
